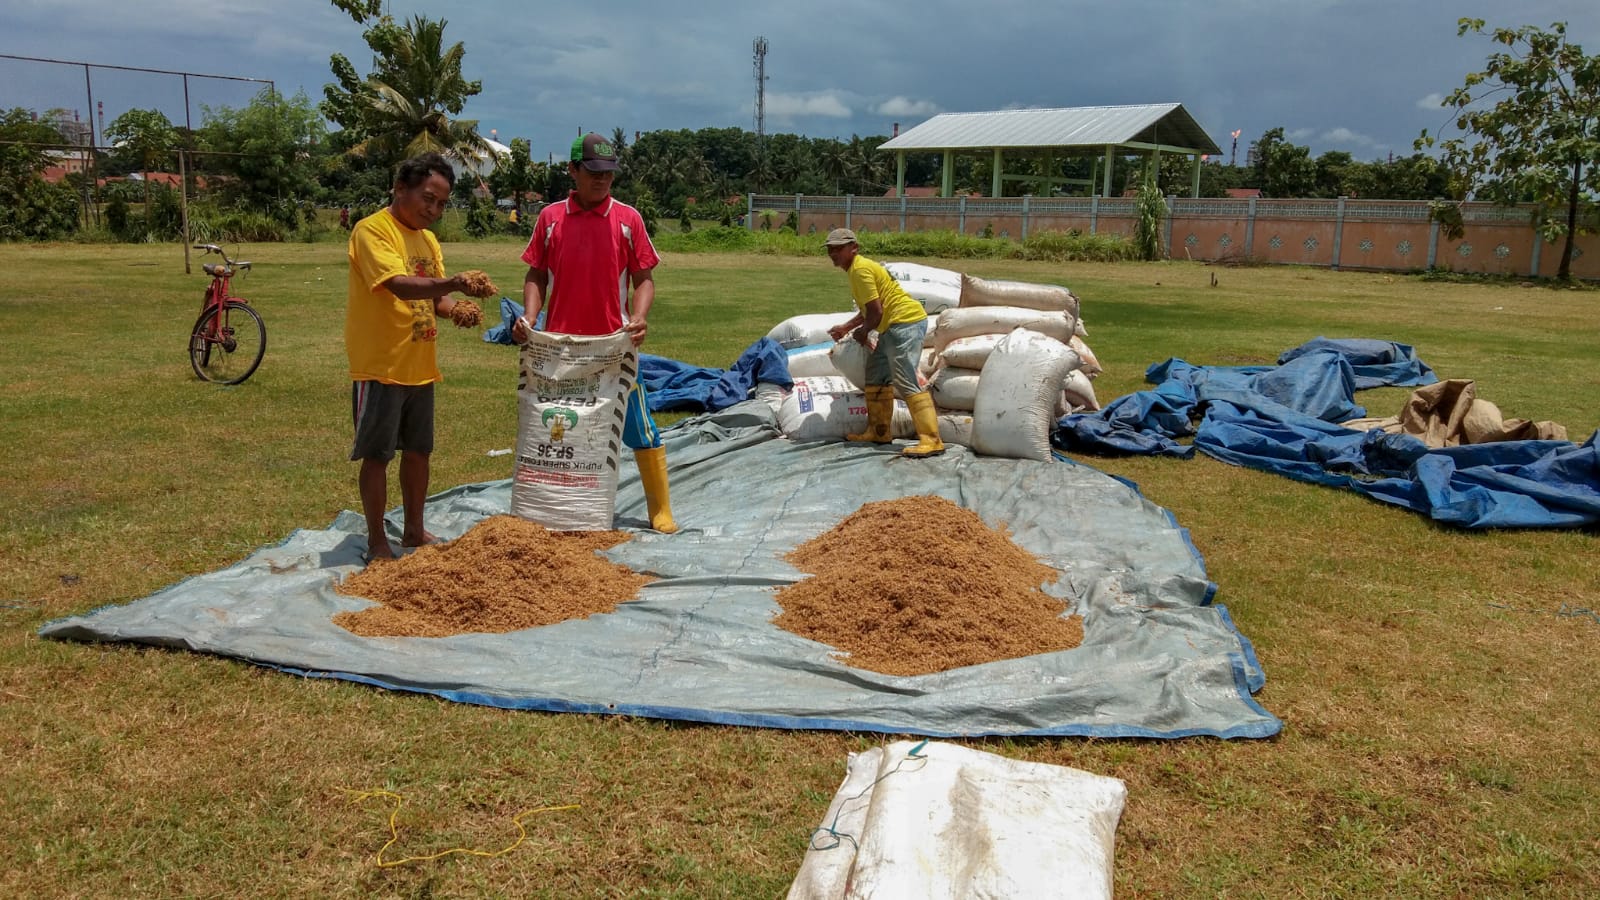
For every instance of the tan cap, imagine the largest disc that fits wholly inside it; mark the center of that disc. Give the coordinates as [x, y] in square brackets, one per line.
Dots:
[839, 237]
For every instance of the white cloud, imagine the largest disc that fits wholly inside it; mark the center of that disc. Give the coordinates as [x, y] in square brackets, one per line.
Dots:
[1300, 135]
[790, 106]
[907, 108]
[1432, 101]
[1346, 136]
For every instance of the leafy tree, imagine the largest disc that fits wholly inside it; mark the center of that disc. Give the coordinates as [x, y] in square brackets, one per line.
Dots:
[30, 207]
[1540, 138]
[269, 149]
[1283, 169]
[409, 104]
[513, 174]
[147, 136]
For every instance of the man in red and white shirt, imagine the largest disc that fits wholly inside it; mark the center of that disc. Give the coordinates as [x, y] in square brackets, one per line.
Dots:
[580, 251]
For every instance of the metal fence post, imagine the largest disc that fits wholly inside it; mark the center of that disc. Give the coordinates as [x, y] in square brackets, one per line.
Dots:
[1026, 202]
[902, 213]
[1538, 245]
[848, 205]
[961, 227]
[1250, 231]
[750, 212]
[1433, 243]
[1338, 233]
[1169, 225]
[1094, 213]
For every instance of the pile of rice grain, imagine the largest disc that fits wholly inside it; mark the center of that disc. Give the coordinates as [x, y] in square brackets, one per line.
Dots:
[504, 574]
[921, 585]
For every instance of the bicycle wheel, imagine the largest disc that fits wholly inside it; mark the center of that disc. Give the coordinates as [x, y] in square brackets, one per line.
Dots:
[227, 343]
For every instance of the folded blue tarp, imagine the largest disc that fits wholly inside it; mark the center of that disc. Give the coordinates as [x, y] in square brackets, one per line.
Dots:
[674, 385]
[1285, 419]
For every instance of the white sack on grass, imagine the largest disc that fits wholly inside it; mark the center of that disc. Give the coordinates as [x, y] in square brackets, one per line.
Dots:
[954, 388]
[908, 273]
[985, 292]
[953, 822]
[1091, 363]
[571, 399]
[933, 297]
[970, 352]
[802, 331]
[849, 358]
[955, 427]
[829, 408]
[1077, 394]
[812, 361]
[1017, 395]
[967, 322]
[770, 394]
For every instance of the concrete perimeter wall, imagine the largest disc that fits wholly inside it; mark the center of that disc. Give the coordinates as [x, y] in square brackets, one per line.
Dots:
[1379, 235]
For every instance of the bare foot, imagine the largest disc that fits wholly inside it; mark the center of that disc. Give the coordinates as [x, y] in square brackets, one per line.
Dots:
[379, 551]
[428, 537]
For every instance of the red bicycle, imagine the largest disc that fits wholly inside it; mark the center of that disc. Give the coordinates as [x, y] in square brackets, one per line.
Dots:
[229, 338]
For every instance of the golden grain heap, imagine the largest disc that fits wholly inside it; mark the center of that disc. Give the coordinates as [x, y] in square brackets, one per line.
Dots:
[920, 585]
[504, 574]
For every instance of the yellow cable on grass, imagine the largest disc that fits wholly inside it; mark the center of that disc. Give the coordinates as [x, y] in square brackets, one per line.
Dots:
[394, 830]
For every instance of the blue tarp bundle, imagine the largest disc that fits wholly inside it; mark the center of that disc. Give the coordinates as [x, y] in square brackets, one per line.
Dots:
[674, 385]
[1285, 419]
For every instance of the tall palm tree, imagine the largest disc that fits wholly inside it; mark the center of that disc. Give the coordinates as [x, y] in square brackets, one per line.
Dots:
[835, 160]
[407, 107]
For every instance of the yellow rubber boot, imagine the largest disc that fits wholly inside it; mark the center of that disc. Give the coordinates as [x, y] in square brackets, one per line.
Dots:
[652, 464]
[880, 411]
[927, 422]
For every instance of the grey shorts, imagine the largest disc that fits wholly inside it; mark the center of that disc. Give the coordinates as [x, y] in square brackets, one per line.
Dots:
[390, 417]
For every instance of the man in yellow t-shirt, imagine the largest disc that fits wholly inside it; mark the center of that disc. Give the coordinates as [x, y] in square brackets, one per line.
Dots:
[884, 306]
[397, 291]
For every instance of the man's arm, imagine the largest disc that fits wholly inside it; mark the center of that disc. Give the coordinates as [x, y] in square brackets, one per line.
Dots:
[644, 294]
[423, 287]
[534, 285]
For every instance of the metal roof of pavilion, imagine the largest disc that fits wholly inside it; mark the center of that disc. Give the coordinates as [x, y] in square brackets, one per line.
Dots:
[1168, 125]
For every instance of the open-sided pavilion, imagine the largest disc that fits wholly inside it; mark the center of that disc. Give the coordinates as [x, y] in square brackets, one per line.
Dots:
[1053, 134]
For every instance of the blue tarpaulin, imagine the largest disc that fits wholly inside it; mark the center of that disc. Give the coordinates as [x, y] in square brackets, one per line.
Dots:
[679, 386]
[1285, 419]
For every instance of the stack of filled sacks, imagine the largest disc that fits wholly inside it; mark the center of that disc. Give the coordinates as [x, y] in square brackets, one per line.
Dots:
[1002, 363]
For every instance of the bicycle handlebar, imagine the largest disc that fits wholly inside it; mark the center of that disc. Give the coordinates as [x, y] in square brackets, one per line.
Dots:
[213, 248]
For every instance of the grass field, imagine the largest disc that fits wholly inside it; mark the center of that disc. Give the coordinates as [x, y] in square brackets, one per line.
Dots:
[1438, 690]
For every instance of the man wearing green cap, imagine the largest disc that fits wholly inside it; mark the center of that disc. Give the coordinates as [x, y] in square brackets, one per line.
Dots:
[901, 323]
[580, 249]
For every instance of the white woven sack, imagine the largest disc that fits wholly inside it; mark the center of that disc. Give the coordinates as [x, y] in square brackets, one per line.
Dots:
[954, 388]
[802, 331]
[933, 297]
[812, 361]
[1077, 394]
[1017, 395]
[937, 820]
[968, 321]
[985, 292]
[908, 273]
[955, 427]
[571, 398]
[829, 408]
[970, 352]
[1091, 363]
[927, 362]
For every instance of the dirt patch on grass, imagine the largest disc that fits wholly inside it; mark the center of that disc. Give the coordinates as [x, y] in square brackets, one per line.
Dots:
[504, 574]
[920, 585]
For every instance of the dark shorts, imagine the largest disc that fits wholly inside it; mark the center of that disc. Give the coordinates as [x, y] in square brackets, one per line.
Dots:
[390, 417]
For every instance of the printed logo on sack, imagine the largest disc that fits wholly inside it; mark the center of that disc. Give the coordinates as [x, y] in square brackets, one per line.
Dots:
[807, 404]
[564, 419]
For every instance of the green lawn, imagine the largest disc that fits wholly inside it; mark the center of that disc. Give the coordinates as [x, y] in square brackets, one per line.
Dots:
[1441, 730]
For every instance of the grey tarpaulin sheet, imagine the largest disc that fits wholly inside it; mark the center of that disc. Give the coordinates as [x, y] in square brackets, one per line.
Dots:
[1157, 659]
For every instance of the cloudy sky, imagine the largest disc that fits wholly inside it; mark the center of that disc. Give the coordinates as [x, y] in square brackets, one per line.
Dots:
[1364, 76]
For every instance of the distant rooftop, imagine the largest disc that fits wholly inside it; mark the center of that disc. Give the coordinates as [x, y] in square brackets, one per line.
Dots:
[1168, 125]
